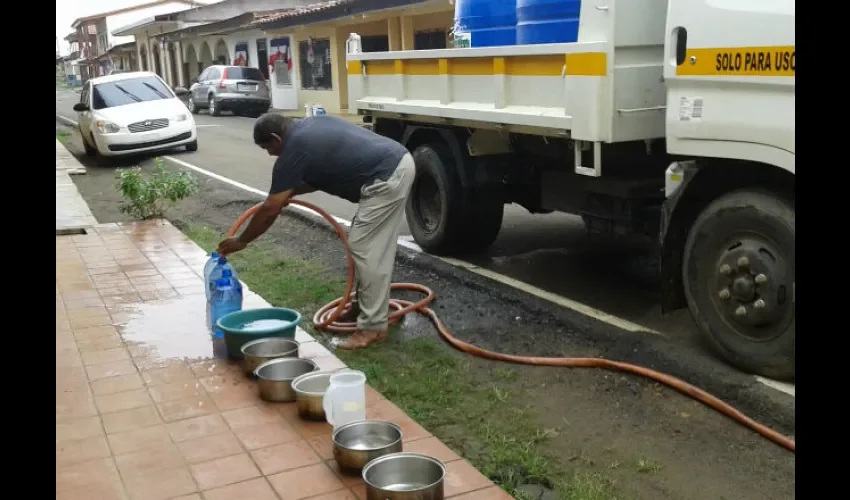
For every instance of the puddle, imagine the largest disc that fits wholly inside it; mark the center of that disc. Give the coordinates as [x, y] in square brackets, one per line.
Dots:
[169, 329]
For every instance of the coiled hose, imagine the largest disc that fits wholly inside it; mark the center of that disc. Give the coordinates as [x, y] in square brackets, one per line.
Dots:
[326, 319]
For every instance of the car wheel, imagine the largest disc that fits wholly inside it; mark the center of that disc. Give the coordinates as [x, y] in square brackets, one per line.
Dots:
[99, 159]
[192, 146]
[214, 109]
[90, 151]
[191, 105]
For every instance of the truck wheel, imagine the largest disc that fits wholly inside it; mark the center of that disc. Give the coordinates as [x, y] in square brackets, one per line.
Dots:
[739, 281]
[483, 221]
[435, 205]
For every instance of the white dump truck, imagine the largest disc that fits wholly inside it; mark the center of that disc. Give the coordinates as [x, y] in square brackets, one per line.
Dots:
[669, 119]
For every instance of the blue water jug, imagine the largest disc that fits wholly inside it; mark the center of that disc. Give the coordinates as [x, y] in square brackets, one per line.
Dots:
[226, 298]
[216, 273]
[208, 267]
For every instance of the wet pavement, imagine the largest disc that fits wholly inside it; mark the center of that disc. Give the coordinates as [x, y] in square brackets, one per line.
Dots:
[145, 411]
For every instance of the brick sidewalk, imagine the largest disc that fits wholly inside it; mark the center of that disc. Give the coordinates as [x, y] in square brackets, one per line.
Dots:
[144, 411]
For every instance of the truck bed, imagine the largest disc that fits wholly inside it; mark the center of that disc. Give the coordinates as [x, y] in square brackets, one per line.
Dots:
[608, 89]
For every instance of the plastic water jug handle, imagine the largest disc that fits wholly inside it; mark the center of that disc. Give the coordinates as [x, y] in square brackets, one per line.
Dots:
[327, 403]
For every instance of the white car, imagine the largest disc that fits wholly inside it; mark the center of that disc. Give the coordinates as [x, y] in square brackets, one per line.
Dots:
[132, 113]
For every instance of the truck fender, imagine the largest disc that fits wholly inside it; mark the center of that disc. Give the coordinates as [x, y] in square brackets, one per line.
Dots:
[671, 238]
[417, 135]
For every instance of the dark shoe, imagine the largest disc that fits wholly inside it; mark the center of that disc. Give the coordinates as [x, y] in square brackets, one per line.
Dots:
[362, 339]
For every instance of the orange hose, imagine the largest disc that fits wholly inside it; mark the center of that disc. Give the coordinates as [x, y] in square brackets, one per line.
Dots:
[325, 319]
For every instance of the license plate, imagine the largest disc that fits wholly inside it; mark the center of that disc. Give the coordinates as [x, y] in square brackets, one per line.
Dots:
[246, 88]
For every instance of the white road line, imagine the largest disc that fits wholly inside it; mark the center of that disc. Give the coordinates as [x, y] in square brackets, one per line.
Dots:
[207, 125]
[785, 387]
[405, 241]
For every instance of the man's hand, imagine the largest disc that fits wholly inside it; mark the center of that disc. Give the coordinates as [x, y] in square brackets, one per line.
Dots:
[230, 245]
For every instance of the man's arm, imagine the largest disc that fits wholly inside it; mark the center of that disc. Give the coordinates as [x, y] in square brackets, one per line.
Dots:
[265, 216]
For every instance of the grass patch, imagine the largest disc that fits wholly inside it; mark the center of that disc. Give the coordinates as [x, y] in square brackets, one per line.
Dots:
[477, 408]
[63, 136]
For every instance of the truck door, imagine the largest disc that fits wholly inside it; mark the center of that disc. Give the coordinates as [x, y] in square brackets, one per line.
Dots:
[730, 73]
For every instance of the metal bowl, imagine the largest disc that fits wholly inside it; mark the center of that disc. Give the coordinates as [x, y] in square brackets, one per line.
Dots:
[276, 376]
[310, 391]
[404, 476]
[259, 351]
[358, 443]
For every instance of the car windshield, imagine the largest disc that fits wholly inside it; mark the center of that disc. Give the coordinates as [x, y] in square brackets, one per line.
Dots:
[130, 91]
[242, 73]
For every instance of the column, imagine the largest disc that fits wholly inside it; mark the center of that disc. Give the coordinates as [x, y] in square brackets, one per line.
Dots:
[151, 61]
[394, 33]
[139, 55]
[165, 58]
[181, 72]
[407, 33]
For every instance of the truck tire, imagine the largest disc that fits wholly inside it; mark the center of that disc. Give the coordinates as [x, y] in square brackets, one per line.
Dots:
[483, 221]
[738, 274]
[441, 216]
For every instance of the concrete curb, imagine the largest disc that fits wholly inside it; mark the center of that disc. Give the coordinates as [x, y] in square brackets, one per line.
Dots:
[67, 162]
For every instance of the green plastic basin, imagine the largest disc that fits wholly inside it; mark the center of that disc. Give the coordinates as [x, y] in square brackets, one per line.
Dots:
[241, 327]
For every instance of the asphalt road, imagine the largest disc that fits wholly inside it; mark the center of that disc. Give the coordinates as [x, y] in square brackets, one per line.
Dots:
[550, 252]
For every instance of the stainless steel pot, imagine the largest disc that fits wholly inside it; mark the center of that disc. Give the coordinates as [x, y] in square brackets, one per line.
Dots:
[310, 390]
[276, 376]
[259, 351]
[405, 476]
[357, 443]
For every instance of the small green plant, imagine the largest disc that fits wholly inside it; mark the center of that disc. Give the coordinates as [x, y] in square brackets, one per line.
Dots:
[150, 198]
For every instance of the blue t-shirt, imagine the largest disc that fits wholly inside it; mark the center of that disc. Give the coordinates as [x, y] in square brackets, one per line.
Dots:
[335, 156]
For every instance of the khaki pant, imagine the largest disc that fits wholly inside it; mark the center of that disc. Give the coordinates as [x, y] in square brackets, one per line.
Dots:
[373, 239]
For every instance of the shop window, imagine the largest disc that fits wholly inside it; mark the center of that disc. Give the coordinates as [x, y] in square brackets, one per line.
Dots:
[314, 61]
[429, 40]
[280, 59]
[375, 43]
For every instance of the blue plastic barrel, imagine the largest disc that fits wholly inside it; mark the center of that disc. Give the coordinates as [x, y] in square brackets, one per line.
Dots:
[547, 21]
[489, 23]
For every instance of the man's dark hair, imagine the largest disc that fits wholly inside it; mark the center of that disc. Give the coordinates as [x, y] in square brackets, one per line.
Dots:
[268, 124]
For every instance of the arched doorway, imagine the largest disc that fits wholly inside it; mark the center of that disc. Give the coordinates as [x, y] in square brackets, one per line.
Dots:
[191, 64]
[206, 57]
[221, 54]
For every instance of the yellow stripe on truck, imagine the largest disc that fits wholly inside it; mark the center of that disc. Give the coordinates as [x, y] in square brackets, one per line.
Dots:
[739, 61]
[577, 64]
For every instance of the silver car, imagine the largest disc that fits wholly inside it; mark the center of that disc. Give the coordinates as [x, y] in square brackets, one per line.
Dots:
[239, 89]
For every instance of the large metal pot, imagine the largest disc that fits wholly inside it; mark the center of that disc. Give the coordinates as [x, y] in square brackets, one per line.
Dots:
[259, 351]
[357, 443]
[405, 476]
[309, 392]
[276, 376]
